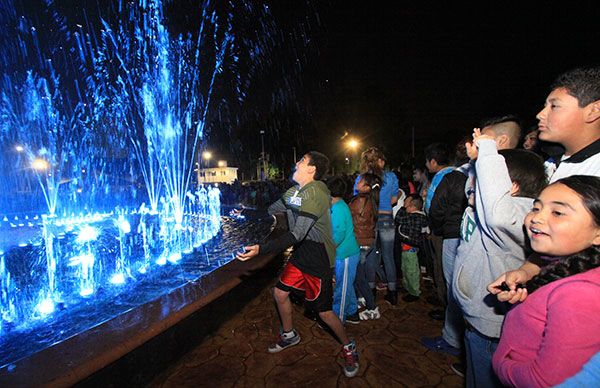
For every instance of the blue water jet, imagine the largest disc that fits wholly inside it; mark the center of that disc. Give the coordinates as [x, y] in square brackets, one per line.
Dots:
[103, 114]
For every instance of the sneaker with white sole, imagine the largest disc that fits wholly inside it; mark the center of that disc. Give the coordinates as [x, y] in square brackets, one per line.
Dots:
[365, 315]
[283, 342]
[353, 319]
[350, 355]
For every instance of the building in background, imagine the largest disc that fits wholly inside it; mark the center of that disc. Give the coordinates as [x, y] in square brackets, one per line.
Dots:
[219, 174]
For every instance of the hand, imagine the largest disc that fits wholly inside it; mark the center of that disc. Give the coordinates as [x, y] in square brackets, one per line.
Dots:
[249, 252]
[511, 278]
[237, 212]
[473, 148]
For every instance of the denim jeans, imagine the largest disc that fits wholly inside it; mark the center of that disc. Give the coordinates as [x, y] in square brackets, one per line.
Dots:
[385, 233]
[344, 297]
[480, 350]
[454, 325]
[360, 282]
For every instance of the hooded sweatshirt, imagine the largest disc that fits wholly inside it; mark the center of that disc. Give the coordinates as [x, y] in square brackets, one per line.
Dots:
[492, 242]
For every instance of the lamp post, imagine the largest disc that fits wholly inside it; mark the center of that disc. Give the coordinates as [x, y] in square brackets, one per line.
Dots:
[207, 155]
[352, 145]
[262, 156]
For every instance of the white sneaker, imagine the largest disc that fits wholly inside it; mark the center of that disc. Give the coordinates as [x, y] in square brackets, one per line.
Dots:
[361, 302]
[365, 315]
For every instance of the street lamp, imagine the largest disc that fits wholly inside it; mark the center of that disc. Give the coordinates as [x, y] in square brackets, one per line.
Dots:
[207, 155]
[39, 165]
[352, 145]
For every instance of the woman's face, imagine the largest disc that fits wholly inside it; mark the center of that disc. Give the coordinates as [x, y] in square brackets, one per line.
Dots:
[530, 140]
[417, 175]
[381, 163]
[559, 224]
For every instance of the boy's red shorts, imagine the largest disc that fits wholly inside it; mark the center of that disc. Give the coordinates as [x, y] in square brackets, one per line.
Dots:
[318, 292]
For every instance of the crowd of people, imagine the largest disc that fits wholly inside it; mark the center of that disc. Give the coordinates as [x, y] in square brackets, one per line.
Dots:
[508, 230]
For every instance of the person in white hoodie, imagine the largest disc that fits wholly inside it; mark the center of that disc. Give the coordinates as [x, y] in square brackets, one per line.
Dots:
[492, 241]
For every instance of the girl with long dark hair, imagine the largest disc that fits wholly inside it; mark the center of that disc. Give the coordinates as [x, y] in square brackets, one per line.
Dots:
[556, 330]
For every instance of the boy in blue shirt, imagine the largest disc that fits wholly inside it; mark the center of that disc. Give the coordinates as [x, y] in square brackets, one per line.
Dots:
[347, 253]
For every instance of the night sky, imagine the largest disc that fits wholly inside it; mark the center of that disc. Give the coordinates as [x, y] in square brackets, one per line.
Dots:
[381, 69]
[378, 70]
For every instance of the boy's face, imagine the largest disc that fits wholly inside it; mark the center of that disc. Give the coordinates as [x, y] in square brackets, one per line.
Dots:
[303, 171]
[431, 165]
[561, 119]
[408, 204]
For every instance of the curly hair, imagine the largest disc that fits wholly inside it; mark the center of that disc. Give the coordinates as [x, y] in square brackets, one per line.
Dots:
[588, 187]
[369, 161]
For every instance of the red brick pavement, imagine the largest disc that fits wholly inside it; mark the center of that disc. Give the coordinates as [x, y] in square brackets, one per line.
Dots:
[390, 353]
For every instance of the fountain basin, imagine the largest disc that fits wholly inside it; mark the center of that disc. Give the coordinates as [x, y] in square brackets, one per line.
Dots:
[72, 359]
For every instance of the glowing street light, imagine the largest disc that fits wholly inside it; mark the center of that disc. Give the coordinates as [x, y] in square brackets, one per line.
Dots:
[353, 144]
[207, 155]
[39, 164]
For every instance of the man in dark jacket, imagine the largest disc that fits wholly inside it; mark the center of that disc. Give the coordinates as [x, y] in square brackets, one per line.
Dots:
[445, 214]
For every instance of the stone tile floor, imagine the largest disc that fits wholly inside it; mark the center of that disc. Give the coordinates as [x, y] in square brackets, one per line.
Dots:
[390, 353]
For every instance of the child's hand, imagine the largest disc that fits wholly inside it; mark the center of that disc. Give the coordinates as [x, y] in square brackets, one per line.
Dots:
[472, 148]
[248, 253]
[512, 279]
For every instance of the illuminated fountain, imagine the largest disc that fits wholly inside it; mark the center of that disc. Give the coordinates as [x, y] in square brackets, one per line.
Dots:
[102, 117]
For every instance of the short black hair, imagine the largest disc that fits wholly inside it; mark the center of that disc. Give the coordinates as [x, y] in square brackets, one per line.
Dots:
[416, 200]
[337, 186]
[438, 151]
[581, 83]
[507, 118]
[526, 168]
[320, 162]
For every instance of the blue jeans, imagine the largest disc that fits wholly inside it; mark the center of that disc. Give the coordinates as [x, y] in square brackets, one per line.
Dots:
[384, 235]
[360, 282]
[344, 297]
[480, 350]
[454, 325]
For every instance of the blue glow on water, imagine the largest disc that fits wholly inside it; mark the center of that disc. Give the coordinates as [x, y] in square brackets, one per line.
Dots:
[102, 119]
[87, 234]
[45, 307]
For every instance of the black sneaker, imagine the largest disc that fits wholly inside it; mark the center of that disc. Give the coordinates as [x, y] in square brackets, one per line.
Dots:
[283, 343]
[353, 319]
[391, 297]
[458, 368]
[350, 355]
[438, 315]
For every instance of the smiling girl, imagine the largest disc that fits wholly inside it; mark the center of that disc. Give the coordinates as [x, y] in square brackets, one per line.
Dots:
[556, 330]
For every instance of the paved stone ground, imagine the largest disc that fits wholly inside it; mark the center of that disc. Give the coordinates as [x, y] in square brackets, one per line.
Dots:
[390, 353]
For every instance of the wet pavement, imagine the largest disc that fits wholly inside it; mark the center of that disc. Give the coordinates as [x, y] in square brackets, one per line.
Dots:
[235, 354]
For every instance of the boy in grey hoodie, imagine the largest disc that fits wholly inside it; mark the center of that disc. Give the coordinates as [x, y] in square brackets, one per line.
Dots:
[492, 242]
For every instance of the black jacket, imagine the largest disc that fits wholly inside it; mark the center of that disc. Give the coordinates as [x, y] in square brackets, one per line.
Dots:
[448, 204]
